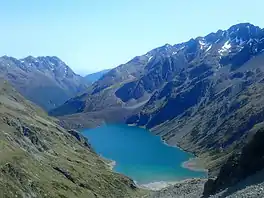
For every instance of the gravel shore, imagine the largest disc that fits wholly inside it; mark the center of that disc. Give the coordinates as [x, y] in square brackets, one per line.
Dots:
[194, 164]
[191, 188]
[252, 187]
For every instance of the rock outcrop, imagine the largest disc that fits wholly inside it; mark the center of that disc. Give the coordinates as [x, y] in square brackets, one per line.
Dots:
[239, 166]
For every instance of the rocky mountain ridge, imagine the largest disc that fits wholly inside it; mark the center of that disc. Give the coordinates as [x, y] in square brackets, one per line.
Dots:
[144, 74]
[203, 95]
[47, 81]
[91, 78]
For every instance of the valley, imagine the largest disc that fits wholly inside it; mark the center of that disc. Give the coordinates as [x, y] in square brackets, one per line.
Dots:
[38, 158]
[187, 93]
[203, 95]
[162, 118]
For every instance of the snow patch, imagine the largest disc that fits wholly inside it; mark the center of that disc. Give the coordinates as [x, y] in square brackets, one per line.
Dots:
[173, 53]
[248, 28]
[202, 44]
[150, 58]
[225, 47]
[65, 71]
[208, 48]
[217, 40]
[239, 41]
[250, 41]
[182, 47]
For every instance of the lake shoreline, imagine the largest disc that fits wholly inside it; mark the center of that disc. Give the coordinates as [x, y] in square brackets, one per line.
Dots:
[162, 185]
[111, 164]
[193, 164]
[155, 186]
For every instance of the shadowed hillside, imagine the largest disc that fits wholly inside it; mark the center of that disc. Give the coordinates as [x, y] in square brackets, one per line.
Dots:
[38, 158]
[204, 95]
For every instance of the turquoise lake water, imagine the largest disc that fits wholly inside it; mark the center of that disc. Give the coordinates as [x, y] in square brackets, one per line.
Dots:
[139, 154]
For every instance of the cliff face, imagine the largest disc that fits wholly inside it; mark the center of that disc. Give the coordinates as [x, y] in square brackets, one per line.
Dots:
[38, 158]
[239, 166]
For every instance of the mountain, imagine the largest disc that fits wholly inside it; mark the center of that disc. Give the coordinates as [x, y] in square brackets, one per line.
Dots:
[47, 81]
[91, 78]
[38, 158]
[241, 169]
[204, 95]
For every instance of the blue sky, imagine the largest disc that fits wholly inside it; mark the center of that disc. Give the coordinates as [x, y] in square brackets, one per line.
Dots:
[91, 35]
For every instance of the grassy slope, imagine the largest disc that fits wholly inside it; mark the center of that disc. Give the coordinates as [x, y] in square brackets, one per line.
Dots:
[38, 158]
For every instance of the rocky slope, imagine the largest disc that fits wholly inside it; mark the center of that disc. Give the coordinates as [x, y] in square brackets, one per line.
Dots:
[239, 166]
[101, 95]
[91, 78]
[204, 95]
[38, 158]
[192, 188]
[242, 175]
[47, 81]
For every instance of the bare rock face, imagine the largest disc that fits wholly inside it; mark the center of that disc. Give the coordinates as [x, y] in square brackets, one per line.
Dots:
[239, 166]
[80, 138]
[46, 81]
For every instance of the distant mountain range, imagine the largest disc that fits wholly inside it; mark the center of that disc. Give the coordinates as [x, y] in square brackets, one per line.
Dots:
[204, 95]
[91, 78]
[47, 81]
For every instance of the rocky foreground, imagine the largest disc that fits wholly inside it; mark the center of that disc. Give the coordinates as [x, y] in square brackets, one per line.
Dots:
[253, 187]
[242, 175]
[192, 188]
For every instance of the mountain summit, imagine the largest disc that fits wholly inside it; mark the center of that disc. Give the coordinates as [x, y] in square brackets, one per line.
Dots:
[47, 81]
[204, 95]
[137, 80]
